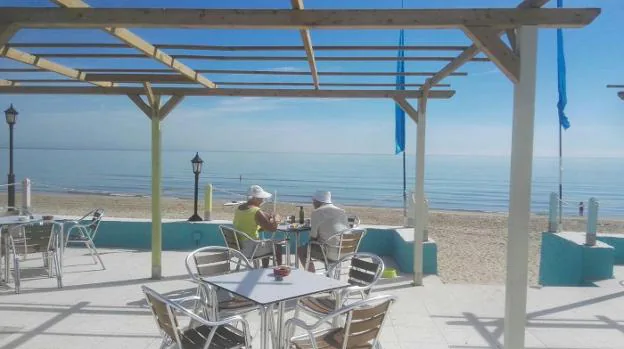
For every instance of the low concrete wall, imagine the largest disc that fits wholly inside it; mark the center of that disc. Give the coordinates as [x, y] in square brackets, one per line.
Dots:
[567, 261]
[186, 236]
[617, 241]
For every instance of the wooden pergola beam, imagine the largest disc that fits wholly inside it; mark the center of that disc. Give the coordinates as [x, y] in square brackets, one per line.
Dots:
[148, 49]
[307, 44]
[6, 32]
[4, 82]
[192, 47]
[238, 92]
[489, 41]
[27, 58]
[407, 108]
[615, 86]
[105, 71]
[297, 19]
[260, 58]
[176, 79]
[473, 50]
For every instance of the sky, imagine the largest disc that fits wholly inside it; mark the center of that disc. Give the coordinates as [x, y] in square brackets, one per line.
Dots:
[476, 121]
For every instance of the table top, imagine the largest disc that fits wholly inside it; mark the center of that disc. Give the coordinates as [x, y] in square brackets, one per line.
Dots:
[287, 228]
[260, 286]
[18, 219]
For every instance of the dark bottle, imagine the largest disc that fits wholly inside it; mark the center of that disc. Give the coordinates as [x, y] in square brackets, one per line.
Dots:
[301, 216]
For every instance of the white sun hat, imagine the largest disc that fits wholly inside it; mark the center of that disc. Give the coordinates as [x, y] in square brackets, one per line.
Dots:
[322, 196]
[256, 191]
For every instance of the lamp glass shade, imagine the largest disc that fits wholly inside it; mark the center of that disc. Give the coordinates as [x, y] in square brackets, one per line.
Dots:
[11, 115]
[197, 163]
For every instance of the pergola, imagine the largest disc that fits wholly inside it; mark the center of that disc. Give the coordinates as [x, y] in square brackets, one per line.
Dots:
[620, 93]
[516, 58]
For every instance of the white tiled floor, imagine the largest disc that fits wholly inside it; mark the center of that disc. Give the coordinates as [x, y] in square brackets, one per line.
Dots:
[105, 309]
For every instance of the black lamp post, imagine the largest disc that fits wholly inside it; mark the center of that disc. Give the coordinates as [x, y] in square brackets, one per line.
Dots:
[197, 165]
[11, 118]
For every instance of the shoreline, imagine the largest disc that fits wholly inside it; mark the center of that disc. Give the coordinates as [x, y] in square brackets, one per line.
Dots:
[471, 245]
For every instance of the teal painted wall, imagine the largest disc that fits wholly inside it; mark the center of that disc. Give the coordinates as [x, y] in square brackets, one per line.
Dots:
[567, 263]
[187, 236]
[618, 244]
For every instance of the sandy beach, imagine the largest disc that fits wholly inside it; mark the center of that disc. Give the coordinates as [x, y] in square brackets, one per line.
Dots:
[471, 246]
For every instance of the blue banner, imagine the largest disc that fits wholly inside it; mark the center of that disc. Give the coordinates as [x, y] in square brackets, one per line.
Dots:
[561, 78]
[399, 113]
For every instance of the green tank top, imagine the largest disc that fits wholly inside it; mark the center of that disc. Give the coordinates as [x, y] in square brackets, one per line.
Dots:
[245, 221]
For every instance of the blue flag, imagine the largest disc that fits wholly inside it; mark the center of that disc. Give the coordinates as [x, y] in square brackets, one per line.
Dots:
[561, 78]
[399, 113]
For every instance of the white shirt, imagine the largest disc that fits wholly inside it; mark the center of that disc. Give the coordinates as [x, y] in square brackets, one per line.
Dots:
[326, 221]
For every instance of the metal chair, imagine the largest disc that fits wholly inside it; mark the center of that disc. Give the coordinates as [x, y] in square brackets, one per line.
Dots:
[217, 260]
[364, 270]
[353, 221]
[364, 321]
[200, 333]
[83, 231]
[233, 237]
[335, 247]
[38, 237]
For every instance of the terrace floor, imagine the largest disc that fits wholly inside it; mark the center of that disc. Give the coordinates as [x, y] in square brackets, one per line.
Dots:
[106, 309]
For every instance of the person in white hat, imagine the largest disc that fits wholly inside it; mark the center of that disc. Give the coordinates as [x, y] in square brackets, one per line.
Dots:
[326, 220]
[250, 219]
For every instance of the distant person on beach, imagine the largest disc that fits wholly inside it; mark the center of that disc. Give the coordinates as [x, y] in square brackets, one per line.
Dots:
[581, 208]
[326, 220]
[250, 219]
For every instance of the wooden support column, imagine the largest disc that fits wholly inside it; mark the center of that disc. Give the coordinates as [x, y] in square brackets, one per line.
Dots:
[156, 113]
[520, 190]
[419, 190]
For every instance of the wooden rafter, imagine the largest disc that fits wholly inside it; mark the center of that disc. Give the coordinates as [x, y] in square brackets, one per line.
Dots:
[407, 108]
[307, 44]
[297, 19]
[177, 79]
[260, 58]
[615, 86]
[148, 49]
[489, 41]
[8, 83]
[238, 92]
[473, 50]
[139, 102]
[6, 32]
[105, 72]
[241, 47]
[27, 58]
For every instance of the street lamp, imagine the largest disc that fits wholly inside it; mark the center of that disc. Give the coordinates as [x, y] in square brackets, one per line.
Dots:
[197, 165]
[11, 118]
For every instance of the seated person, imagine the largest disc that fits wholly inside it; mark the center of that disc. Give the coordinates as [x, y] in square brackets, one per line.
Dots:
[326, 220]
[250, 219]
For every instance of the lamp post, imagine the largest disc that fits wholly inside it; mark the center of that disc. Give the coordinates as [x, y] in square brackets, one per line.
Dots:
[197, 165]
[11, 118]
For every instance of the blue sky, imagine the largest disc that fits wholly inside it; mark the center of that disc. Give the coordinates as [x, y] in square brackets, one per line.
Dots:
[476, 121]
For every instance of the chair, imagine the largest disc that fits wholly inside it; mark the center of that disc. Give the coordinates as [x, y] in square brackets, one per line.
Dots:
[217, 260]
[364, 321]
[38, 237]
[364, 270]
[335, 247]
[199, 333]
[232, 238]
[83, 231]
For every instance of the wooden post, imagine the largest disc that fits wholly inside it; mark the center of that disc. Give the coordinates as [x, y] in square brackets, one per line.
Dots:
[208, 203]
[419, 190]
[520, 190]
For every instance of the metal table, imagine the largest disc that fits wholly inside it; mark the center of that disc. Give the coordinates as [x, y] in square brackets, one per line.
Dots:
[283, 228]
[261, 287]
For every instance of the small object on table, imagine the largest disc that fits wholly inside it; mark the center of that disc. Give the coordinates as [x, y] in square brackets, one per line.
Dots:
[281, 271]
[301, 215]
[307, 223]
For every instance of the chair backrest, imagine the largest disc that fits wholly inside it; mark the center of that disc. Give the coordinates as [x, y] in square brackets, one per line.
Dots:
[164, 314]
[347, 241]
[96, 218]
[214, 260]
[365, 269]
[35, 237]
[365, 321]
[230, 237]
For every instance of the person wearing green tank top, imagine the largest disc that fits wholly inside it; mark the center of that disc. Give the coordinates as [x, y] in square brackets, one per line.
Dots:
[250, 219]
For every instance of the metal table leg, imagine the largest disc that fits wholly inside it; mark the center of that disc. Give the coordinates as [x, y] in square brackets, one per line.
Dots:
[264, 327]
[297, 249]
[280, 325]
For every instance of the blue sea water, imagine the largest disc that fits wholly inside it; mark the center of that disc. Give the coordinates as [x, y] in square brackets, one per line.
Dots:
[471, 183]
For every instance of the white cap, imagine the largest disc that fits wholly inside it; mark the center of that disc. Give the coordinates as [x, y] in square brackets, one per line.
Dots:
[256, 192]
[322, 196]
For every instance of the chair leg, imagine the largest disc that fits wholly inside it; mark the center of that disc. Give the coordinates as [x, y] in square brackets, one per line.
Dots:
[17, 274]
[97, 254]
[59, 274]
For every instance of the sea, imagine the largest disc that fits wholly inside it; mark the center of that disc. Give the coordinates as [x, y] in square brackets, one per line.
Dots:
[466, 183]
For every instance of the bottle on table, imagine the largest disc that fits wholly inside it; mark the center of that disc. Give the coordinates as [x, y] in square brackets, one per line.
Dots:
[301, 215]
